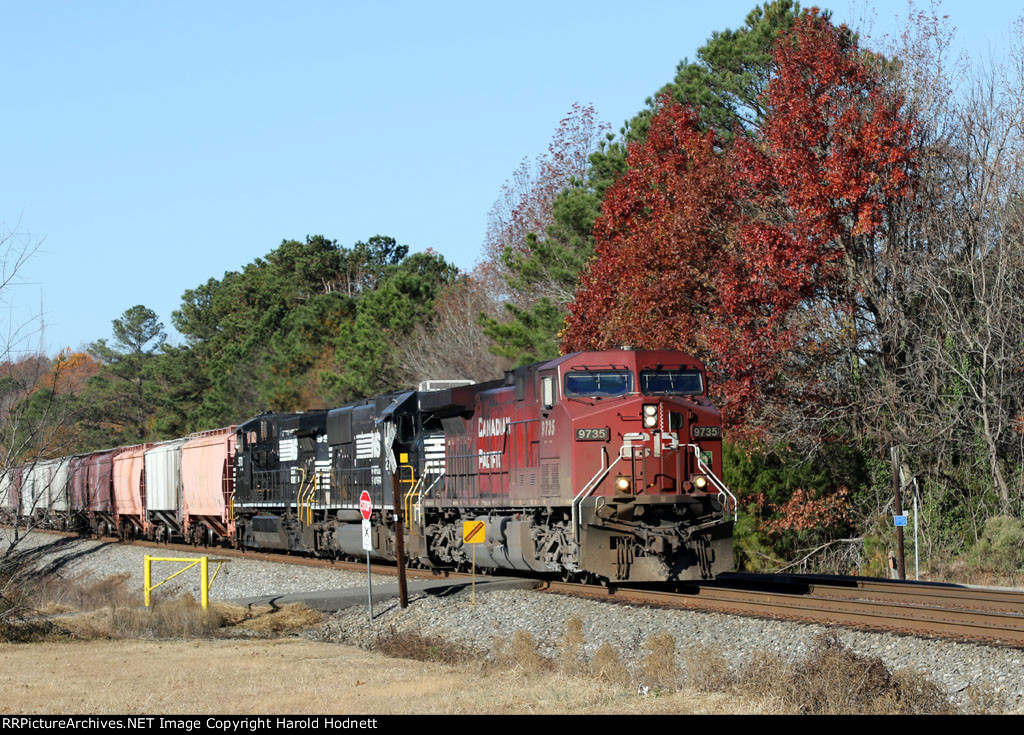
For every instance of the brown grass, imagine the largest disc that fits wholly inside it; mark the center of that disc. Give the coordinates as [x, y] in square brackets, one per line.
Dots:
[520, 654]
[416, 647]
[760, 677]
[231, 676]
[183, 617]
[266, 619]
[659, 668]
[54, 594]
[572, 659]
[608, 667]
[178, 617]
[982, 699]
[90, 609]
[298, 676]
[832, 679]
[708, 671]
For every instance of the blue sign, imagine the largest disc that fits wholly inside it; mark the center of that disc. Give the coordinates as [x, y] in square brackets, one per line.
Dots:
[899, 520]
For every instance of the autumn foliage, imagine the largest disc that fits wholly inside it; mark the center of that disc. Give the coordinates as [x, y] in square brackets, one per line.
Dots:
[833, 158]
[663, 228]
[805, 510]
[740, 253]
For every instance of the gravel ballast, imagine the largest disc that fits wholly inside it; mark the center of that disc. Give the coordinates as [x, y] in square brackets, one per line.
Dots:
[72, 557]
[952, 665]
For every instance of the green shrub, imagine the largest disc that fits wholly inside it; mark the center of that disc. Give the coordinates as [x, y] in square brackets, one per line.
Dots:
[1001, 546]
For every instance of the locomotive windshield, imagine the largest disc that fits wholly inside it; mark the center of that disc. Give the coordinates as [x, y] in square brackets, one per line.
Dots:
[589, 383]
[671, 382]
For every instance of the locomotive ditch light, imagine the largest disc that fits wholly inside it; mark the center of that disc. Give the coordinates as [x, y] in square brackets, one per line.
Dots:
[650, 415]
[700, 482]
[622, 484]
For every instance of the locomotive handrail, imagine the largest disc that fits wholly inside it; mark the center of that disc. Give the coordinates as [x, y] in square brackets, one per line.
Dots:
[411, 482]
[589, 488]
[407, 499]
[310, 497]
[300, 496]
[724, 493]
[427, 491]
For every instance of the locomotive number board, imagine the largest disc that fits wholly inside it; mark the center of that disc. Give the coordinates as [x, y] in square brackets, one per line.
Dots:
[706, 432]
[593, 435]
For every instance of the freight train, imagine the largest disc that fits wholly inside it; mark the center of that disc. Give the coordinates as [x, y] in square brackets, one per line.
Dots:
[602, 466]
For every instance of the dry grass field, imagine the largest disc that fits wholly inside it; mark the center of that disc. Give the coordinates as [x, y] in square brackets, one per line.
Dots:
[87, 647]
[291, 676]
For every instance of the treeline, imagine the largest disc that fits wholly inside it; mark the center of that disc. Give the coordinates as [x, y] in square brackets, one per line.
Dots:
[312, 324]
[834, 226]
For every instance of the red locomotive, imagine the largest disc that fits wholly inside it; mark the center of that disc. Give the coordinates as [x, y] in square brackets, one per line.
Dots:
[595, 464]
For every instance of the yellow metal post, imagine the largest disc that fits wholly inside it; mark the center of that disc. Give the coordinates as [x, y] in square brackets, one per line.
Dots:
[204, 564]
[148, 575]
[206, 584]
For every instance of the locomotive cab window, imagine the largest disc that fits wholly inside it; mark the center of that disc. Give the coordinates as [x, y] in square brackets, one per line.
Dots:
[406, 429]
[595, 383]
[671, 382]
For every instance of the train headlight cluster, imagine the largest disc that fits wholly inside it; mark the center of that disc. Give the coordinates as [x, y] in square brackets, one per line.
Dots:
[650, 415]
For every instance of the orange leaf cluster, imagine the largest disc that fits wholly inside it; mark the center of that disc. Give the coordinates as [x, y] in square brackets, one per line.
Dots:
[803, 512]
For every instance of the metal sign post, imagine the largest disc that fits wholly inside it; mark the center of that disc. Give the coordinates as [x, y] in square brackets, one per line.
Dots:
[917, 558]
[897, 490]
[365, 509]
[473, 533]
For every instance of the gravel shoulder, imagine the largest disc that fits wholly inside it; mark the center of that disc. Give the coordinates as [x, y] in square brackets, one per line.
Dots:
[72, 557]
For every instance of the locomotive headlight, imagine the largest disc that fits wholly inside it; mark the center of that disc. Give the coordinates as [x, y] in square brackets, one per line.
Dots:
[650, 415]
[622, 484]
[700, 482]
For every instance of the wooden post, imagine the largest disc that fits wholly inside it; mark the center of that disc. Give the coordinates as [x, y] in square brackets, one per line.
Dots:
[403, 593]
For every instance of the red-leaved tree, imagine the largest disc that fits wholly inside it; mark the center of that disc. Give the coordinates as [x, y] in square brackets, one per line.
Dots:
[659, 239]
[753, 255]
[814, 190]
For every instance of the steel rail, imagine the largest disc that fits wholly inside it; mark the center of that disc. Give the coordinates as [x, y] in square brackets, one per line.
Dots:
[927, 620]
[925, 593]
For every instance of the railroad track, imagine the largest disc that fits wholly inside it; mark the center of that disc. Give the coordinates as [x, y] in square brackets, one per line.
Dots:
[932, 610]
[980, 614]
[274, 557]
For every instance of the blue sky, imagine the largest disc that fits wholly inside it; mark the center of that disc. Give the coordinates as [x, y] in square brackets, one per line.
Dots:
[154, 145]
